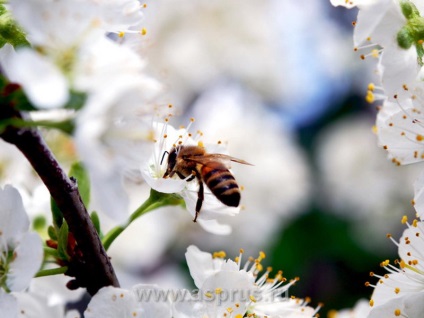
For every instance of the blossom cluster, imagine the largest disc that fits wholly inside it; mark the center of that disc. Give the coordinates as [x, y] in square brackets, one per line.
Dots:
[69, 60]
[390, 30]
[226, 288]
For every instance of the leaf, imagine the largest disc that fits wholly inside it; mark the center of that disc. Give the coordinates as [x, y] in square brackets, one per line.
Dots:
[52, 233]
[80, 174]
[96, 221]
[62, 242]
[9, 29]
[12, 93]
[76, 100]
[56, 213]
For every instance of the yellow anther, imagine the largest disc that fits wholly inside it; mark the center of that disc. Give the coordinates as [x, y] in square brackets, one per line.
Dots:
[143, 31]
[219, 254]
[404, 219]
[375, 53]
[370, 98]
[385, 263]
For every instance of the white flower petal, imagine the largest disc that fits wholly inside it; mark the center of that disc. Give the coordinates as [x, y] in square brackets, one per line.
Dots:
[214, 227]
[411, 306]
[8, 305]
[419, 196]
[27, 261]
[111, 302]
[235, 287]
[400, 134]
[35, 306]
[211, 209]
[399, 69]
[54, 287]
[378, 20]
[13, 218]
[163, 185]
[360, 310]
[153, 300]
[200, 265]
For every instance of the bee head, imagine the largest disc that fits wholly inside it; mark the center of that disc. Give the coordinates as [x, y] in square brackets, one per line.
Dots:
[172, 161]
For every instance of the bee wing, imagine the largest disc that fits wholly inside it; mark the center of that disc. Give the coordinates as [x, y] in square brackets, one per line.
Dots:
[216, 160]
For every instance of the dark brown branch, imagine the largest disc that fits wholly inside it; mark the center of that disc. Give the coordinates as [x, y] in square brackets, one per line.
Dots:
[92, 269]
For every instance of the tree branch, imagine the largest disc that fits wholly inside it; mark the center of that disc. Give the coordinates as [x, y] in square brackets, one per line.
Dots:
[92, 269]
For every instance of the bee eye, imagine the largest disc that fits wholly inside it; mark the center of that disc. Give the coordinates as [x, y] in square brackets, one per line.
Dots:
[172, 157]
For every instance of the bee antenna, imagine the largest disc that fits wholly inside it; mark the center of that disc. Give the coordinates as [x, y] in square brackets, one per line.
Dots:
[163, 156]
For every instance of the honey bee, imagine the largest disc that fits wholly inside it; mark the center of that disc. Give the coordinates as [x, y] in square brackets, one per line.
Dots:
[190, 162]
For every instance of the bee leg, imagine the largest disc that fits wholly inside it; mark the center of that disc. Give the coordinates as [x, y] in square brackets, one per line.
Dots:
[200, 197]
[191, 178]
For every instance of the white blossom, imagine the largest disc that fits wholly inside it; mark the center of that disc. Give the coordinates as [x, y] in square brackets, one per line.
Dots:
[401, 291]
[231, 287]
[21, 251]
[154, 170]
[118, 302]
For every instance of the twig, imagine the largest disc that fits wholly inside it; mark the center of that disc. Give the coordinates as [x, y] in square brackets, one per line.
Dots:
[92, 269]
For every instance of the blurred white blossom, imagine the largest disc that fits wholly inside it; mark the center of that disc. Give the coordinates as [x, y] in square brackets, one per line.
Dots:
[220, 42]
[62, 31]
[358, 182]
[360, 310]
[15, 169]
[276, 188]
[54, 290]
[113, 136]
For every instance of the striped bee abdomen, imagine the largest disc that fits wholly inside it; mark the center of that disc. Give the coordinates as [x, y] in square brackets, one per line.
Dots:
[222, 184]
